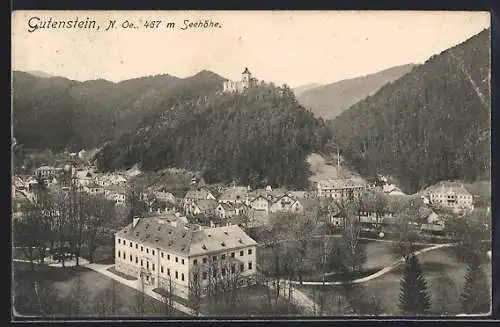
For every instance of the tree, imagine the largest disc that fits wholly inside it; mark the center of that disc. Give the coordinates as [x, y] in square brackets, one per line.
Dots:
[446, 293]
[167, 294]
[106, 302]
[475, 297]
[140, 298]
[195, 289]
[404, 229]
[137, 205]
[99, 215]
[413, 299]
[27, 232]
[354, 252]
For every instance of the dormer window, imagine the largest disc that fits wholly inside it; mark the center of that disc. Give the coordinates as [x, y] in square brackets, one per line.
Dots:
[223, 244]
[204, 247]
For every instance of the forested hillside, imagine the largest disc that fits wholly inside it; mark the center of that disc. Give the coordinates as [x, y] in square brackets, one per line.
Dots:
[432, 124]
[258, 138]
[330, 100]
[57, 113]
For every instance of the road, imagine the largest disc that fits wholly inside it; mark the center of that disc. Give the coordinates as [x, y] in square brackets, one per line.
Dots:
[135, 284]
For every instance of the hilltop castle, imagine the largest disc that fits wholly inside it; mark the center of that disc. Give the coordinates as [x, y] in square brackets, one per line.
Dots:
[246, 82]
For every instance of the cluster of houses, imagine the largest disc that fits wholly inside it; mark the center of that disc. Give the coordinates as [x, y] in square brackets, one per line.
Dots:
[238, 200]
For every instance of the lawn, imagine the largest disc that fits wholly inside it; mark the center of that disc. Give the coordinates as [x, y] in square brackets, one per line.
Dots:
[255, 300]
[435, 265]
[63, 280]
[378, 255]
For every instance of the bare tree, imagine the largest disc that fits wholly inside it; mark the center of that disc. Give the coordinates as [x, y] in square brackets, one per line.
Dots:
[195, 289]
[27, 233]
[354, 252]
[405, 229]
[106, 302]
[99, 213]
[140, 298]
[167, 294]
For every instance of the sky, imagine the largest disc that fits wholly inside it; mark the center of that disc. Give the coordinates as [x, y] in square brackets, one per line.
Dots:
[290, 47]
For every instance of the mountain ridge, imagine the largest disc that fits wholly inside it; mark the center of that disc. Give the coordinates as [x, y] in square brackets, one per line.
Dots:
[327, 101]
[58, 113]
[431, 124]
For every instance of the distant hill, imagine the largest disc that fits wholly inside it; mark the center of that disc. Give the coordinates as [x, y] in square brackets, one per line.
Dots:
[330, 100]
[304, 88]
[432, 124]
[58, 113]
[39, 74]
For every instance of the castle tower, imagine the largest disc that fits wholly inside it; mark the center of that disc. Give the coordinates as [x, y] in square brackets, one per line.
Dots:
[246, 77]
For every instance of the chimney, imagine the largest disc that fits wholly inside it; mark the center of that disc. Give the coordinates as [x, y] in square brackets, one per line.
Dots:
[135, 221]
[269, 188]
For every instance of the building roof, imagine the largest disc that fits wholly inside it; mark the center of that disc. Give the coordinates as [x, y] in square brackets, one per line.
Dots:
[219, 239]
[115, 189]
[234, 193]
[227, 206]
[46, 167]
[198, 194]
[246, 71]
[342, 183]
[447, 187]
[298, 194]
[94, 185]
[171, 234]
[206, 205]
[309, 203]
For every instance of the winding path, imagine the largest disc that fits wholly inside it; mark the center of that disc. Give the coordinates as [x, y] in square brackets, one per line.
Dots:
[379, 273]
[309, 305]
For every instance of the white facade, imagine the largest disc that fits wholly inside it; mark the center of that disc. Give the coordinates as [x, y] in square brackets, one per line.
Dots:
[183, 254]
[452, 197]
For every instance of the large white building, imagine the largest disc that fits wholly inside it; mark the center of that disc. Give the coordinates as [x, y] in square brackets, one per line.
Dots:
[165, 251]
[342, 188]
[450, 195]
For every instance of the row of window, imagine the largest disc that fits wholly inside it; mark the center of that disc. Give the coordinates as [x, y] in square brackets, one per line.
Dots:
[152, 265]
[195, 261]
[204, 274]
[446, 195]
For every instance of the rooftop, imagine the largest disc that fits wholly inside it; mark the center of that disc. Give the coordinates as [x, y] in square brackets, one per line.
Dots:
[171, 234]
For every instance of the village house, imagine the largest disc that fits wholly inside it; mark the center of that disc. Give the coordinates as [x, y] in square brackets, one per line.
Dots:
[200, 193]
[234, 194]
[93, 189]
[164, 249]
[285, 203]
[205, 207]
[84, 177]
[343, 188]
[450, 195]
[115, 193]
[259, 203]
[229, 210]
[47, 173]
[164, 196]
